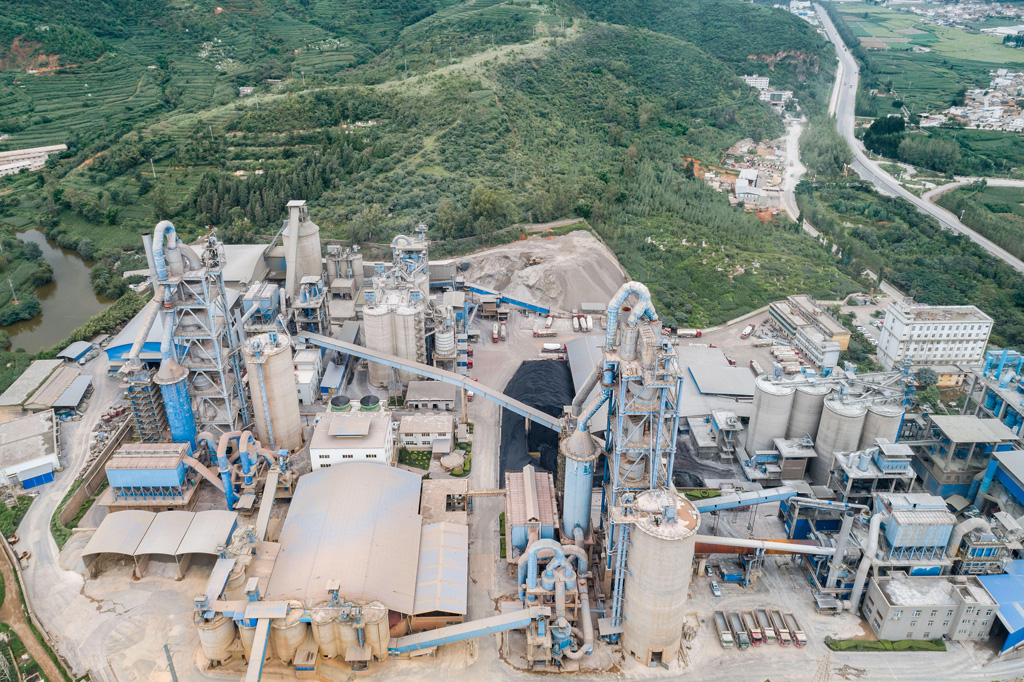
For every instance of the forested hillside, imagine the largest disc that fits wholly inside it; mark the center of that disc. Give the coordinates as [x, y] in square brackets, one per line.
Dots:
[470, 116]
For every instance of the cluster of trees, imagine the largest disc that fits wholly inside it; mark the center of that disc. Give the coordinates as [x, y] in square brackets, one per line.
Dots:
[22, 263]
[1000, 221]
[884, 135]
[823, 151]
[888, 136]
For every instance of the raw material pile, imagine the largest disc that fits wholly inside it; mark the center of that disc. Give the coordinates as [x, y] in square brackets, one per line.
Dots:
[547, 386]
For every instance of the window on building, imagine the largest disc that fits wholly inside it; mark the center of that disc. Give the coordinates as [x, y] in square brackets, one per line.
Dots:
[913, 623]
[989, 612]
[896, 615]
[931, 623]
[949, 614]
[934, 613]
[916, 613]
[346, 456]
[910, 635]
[970, 610]
[945, 623]
[927, 635]
[371, 457]
[984, 622]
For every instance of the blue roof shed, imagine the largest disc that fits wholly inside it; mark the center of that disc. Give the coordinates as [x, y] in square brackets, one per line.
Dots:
[1008, 591]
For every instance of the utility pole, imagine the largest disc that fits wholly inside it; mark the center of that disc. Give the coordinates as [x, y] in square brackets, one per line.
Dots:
[211, 133]
[962, 214]
[14, 294]
[152, 167]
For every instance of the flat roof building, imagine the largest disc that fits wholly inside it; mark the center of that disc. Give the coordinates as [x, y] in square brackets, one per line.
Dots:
[29, 450]
[933, 335]
[421, 431]
[345, 437]
[900, 607]
[431, 395]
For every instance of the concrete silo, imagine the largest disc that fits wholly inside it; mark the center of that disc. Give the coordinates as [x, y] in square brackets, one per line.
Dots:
[286, 634]
[378, 334]
[808, 402]
[301, 247]
[773, 404]
[839, 431]
[411, 334]
[660, 560]
[268, 363]
[216, 635]
[882, 421]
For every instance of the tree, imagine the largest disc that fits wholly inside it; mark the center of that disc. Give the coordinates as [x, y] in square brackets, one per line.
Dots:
[87, 249]
[488, 204]
[884, 135]
[930, 396]
[446, 218]
[926, 376]
[365, 225]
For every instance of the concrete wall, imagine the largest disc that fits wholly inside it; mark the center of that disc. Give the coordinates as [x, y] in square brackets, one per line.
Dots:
[96, 474]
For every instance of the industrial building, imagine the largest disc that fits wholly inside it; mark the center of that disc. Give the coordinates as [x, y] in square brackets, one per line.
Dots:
[351, 436]
[802, 312]
[29, 449]
[431, 395]
[951, 450]
[1001, 391]
[932, 335]
[426, 432]
[956, 608]
[39, 386]
[152, 477]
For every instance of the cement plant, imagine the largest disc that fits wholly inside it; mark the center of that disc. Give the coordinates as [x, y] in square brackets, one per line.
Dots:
[307, 464]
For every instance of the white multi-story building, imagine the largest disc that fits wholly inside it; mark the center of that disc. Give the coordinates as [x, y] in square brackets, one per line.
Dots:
[421, 432]
[822, 351]
[355, 436]
[933, 335]
[755, 81]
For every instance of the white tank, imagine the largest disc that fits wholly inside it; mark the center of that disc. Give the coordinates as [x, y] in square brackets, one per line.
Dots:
[325, 631]
[882, 421]
[301, 259]
[410, 337]
[246, 635]
[348, 638]
[839, 431]
[268, 364]
[773, 404]
[286, 634]
[215, 636]
[808, 402]
[660, 562]
[376, 631]
[444, 343]
[379, 335]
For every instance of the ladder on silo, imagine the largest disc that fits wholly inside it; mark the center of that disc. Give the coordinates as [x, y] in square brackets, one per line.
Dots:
[620, 577]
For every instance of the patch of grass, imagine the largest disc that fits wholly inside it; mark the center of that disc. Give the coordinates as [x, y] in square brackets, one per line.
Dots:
[61, 533]
[11, 518]
[414, 458]
[885, 645]
[13, 650]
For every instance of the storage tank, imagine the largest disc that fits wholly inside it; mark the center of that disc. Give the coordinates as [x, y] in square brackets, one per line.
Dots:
[286, 634]
[376, 631]
[215, 636]
[268, 364]
[369, 403]
[325, 630]
[301, 238]
[808, 402]
[246, 634]
[882, 421]
[660, 560]
[379, 335]
[410, 337]
[341, 403]
[839, 431]
[444, 342]
[773, 404]
[580, 454]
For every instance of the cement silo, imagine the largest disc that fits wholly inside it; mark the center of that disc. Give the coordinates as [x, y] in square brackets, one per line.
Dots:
[301, 247]
[808, 402]
[410, 336]
[839, 431]
[379, 335]
[286, 634]
[216, 635]
[773, 404]
[323, 624]
[882, 421]
[660, 560]
[268, 363]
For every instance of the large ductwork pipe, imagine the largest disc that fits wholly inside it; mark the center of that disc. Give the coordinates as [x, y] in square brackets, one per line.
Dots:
[583, 423]
[841, 541]
[147, 324]
[874, 530]
[962, 529]
[643, 308]
[169, 254]
[587, 645]
[767, 545]
[291, 275]
[588, 386]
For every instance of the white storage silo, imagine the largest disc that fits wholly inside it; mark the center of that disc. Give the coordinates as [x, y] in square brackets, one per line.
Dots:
[271, 374]
[882, 421]
[410, 337]
[808, 402]
[247, 634]
[216, 636]
[773, 404]
[660, 562]
[286, 634]
[379, 335]
[444, 342]
[376, 629]
[839, 431]
[325, 630]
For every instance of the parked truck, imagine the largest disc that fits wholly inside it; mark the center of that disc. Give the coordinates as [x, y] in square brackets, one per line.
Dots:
[747, 331]
[553, 348]
[739, 633]
[766, 625]
[753, 629]
[575, 323]
[494, 333]
[504, 332]
[724, 633]
[590, 323]
[799, 638]
[545, 333]
[547, 322]
[755, 367]
[785, 639]
[689, 333]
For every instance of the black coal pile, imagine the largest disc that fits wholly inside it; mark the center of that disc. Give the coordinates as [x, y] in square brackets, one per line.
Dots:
[547, 386]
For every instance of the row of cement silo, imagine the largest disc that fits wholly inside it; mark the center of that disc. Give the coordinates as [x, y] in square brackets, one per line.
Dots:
[815, 410]
[394, 322]
[334, 630]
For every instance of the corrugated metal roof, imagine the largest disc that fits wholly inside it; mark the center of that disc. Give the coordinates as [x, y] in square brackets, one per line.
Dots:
[430, 390]
[1013, 463]
[165, 533]
[515, 491]
[728, 380]
[53, 388]
[208, 530]
[75, 350]
[441, 581]
[357, 524]
[923, 517]
[1008, 592]
[119, 533]
[73, 395]
[971, 429]
[30, 380]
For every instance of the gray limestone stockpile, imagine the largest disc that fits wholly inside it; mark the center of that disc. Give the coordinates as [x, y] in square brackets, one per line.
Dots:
[575, 268]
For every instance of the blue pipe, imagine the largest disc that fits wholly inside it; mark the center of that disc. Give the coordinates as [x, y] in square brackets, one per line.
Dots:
[643, 308]
[162, 228]
[243, 452]
[990, 473]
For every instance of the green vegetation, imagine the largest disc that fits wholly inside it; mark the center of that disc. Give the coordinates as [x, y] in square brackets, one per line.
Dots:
[885, 644]
[11, 518]
[414, 458]
[61, 533]
[910, 250]
[702, 493]
[17, 656]
[994, 212]
[823, 150]
[464, 470]
[501, 535]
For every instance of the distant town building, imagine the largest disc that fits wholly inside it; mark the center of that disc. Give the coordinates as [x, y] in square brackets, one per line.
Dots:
[933, 335]
[27, 159]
